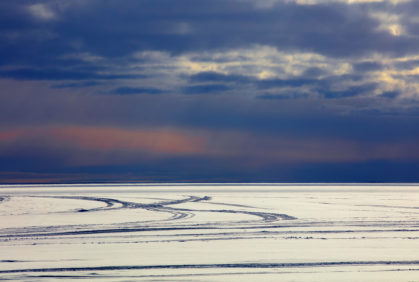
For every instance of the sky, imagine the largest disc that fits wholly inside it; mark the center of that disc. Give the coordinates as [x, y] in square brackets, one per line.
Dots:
[209, 91]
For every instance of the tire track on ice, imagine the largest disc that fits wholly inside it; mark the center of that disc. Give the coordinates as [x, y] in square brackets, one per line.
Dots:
[215, 266]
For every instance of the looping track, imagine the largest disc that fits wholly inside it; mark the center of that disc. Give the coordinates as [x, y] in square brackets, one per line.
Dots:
[209, 235]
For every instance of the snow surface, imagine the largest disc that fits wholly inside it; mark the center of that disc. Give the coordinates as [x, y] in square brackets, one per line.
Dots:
[218, 232]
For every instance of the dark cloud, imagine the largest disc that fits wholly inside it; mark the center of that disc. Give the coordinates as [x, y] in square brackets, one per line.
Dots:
[282, 96]
[309, 80]
[409, 64]
[59, 74]
[390, 94]
[367, 66]
[314, 72]
[313, 119]
[76, 85]
[136, 90]
[219, 77]
[353, 91]
[206, 89]
[113, 30]
[292, 82]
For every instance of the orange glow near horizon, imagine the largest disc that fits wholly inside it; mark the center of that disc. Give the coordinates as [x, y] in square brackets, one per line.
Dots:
[155, 141]
[158, 141]
[92, 145]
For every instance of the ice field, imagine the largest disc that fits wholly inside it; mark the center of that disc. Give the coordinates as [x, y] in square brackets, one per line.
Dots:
[211, 232]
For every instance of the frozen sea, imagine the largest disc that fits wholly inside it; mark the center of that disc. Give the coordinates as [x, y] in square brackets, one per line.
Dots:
[211, 232]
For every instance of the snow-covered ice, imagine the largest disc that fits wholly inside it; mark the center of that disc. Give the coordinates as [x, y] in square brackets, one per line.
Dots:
[212, 232]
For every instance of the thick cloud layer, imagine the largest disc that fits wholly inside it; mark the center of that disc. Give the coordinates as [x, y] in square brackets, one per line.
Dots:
[220, 90]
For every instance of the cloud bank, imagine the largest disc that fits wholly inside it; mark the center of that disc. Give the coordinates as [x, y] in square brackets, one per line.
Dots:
[220, 90]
